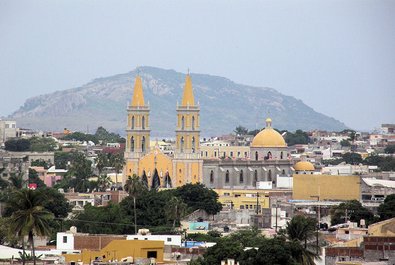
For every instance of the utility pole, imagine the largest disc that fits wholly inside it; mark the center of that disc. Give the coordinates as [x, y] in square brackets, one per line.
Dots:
[318, 209]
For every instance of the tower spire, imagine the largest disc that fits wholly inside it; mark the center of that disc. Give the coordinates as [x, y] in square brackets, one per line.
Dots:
[187, 97]
[138, 95]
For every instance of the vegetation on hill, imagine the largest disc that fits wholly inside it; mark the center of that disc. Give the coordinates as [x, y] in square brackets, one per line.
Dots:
[34, 144]
[101, 136]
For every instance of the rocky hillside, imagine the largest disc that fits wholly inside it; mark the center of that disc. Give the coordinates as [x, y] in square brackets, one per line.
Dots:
[224, 105]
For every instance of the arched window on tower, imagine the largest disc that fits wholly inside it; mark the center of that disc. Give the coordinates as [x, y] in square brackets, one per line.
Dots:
[281, 155]
[143, 144]
[193, 122]
[132, 144]
[182, 144]
[227, 176]
[212, 176]
[143, 122]
[256, 176]
[256, 155]
[241, 178]
[132, 122]
[269, 175]
[193, 144]
[182, 123]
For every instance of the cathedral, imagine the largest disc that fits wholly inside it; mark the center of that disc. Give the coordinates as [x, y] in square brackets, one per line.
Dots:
[266, 166]
[157, 168]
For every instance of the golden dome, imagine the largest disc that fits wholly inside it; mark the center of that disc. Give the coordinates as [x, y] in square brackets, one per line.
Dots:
[268, 137]
[304, 166]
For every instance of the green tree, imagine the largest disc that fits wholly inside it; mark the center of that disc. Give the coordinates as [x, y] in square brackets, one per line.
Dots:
[106, 137]
[387, 208]
[299, 137]
[82, 137]
[103, 182]
[81, 170]
[29, 217]
[134, 187]
[117, 161]
[350, 210]
[17, 145]
[345, 143]
[390, 149]
[33, 178]
[39, 163]
[175, 210]
[352, 158]
[17, 181]
[101, 162]
[62, 159]
[301, 231]
[240, 130]
[197, 196]
[42, 144]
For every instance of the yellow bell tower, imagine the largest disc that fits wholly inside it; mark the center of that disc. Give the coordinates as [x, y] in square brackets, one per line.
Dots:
[187, 161]
[137, 132]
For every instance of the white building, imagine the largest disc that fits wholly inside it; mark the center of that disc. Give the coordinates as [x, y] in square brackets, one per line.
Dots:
[7, 130]
[169, 240]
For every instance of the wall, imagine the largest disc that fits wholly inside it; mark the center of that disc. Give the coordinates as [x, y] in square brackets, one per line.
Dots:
[328, 187]
[118, 249]
[169, 240]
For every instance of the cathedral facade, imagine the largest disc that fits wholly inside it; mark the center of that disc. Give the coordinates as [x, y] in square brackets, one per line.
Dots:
[267, 166]
[185, 166]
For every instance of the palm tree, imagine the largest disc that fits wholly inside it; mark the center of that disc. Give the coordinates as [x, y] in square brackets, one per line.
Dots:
[301, 230]
[117, 161]
[175, 209]
[101, 162]
[134, 187]
[103, 182]
[29, 217]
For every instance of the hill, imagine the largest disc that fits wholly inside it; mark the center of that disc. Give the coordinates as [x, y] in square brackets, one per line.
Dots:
[224, 105]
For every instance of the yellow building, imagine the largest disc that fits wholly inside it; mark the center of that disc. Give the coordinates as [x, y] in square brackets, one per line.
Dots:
[173, 170]
[327, 187]
[119, 249]
[244, 199]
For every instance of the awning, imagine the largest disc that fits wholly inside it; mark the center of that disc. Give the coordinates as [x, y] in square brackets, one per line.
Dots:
[250, 169]
[264, 168]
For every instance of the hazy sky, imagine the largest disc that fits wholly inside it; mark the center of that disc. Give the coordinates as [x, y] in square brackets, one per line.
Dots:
[336, 56]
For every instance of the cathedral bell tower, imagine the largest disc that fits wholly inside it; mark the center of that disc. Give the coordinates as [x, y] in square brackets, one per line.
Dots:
[188, 124]
[137, 131]
[187, 164]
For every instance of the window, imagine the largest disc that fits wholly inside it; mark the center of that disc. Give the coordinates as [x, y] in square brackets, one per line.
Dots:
[281, 155]
[256, 155]
[231, 154]
[255, 175]
[169, 239]
[182, 123]
[269, 175]
[143, 144]
[133, 122]
[227, 176]
[64, 239]
[212, 176]
[143, 122]
[215, 154]
[193, 122]
[193, 144]
[283, 172]
[152, 254]
[241, 179]
[238, 154]
[132, 144]
[182, 144]
[241, 207]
